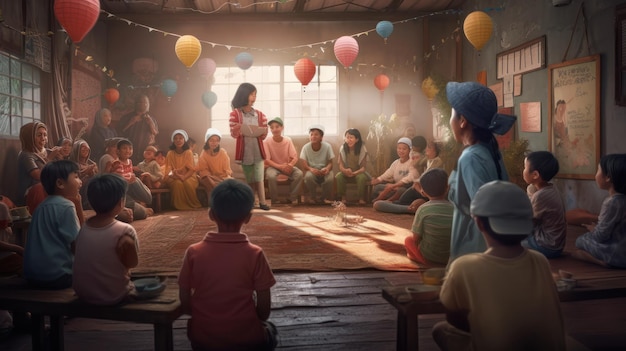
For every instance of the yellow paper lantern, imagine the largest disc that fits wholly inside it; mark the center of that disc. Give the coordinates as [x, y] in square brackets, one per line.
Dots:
[429, 88]
[188, 50]
[478, 28]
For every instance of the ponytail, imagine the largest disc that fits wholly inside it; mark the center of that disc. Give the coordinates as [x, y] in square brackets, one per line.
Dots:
[486, 137]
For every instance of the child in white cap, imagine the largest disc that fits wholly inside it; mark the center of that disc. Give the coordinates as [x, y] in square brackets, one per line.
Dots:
[214, 163]
[180, 173]
[399, 176]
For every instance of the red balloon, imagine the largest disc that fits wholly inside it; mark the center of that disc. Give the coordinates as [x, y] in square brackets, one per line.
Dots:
[77, 16]
[111, 96]
[381, 82]
[346, 49]
[304, 70]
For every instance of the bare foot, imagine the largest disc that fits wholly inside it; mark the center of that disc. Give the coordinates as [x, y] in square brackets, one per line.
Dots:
[149, 212]
[585, 256]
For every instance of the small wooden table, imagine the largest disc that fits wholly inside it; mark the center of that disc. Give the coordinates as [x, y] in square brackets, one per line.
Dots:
[20, 230]
[408, 309]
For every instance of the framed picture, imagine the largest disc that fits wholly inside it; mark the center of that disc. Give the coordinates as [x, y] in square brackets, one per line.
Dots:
[574, 116]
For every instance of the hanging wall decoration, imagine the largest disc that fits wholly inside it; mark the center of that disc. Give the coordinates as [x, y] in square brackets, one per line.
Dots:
[429, 88]
[206, 67]
[478, 28]
[188, 49]
[169, 87]
[77, 17]
[244, 60]
[111, 95]
[346, 50]
[209, 99]
[381, 82]
[304, 70]
[384, 29]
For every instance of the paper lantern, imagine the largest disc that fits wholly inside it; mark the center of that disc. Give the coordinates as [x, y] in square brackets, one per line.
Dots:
[244, 60]
[188, 49]
[209, 99]
[169, 87]
[206, 67]
[429, 88]
[111, 95]
[77, 17]
[346, 50]
[478, 28]
[304, 70]
[381, 82]
[384, 29]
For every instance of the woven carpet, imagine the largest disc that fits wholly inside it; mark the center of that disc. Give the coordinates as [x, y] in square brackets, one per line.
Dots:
[294, 238]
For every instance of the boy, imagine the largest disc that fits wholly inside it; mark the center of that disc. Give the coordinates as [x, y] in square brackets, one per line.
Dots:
[49, 251]
[138, 194]
[418, 158]
[430, 242]
[281, 159]
[317, 159]
[549, 226]
[110, 155]
[149, 169]
[159, 156]
[504, 298]
[106, 249]
[225, 280]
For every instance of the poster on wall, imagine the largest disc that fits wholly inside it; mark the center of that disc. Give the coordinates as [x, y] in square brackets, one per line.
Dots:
[574, 116]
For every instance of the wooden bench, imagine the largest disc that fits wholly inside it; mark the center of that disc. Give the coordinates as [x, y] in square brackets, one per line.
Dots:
[161, 312]
[408, 311]
[156, 198]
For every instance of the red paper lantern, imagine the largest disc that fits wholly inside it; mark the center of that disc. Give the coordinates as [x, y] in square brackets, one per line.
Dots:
[346, 49]
[304, 70]
[381, 82]
[111, 96]
[77, 17]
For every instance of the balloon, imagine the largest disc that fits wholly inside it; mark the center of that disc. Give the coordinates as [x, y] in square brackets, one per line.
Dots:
[384, 29]
[478, 28]
[188, 49]
[244, 60]
[169, 87]
[381, 82]
[111, 95]
[77, 17]
[209, 99]
[304, 70]
[206, 67]
[346, 50]
[429, 88]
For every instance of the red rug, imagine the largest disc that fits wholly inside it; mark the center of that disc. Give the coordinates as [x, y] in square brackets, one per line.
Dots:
[298, 238]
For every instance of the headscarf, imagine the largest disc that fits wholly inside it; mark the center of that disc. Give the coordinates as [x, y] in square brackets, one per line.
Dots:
[75, 153]
[27, 137]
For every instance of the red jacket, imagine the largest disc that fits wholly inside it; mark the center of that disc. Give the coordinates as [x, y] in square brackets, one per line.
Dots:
[236, 117]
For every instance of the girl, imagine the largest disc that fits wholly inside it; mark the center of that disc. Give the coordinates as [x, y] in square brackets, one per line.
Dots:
[65, 144]
[100, 131]
[432, 155]
[249, 127]
[180, 174]
[87, 168]
[605, 243]
[214, 163]
[473, 121]
[399, 176]
[352, 163]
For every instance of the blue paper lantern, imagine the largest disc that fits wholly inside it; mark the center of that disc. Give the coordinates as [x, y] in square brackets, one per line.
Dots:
[169, 87]
[209, 99]
[244, 60]
[384, 29]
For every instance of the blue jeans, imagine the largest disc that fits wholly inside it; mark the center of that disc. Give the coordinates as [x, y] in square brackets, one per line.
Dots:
[531, 243]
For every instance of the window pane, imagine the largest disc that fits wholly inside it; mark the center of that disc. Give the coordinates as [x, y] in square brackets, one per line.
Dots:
[27, 108]
[4, 64]
[16, 87]
[36, 94]
[36, 77]
[16, 68]
[5, 87]
[16, 106]
[27, 73]
[16, 124]
[27, 91]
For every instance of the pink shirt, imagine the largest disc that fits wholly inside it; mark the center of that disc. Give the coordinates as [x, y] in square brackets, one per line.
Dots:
[224, 270]
[282, 152]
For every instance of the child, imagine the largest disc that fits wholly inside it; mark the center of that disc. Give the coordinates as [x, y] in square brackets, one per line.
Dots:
[317, 159]
[192, 146]
[399, 176]
[504, 298]
[249, 126]
[106, 249]
[352, 164]
[149, 169]
[214, 163]
[549, 226]
[605, 243]
[138, 194]
[87, 168]
[65, 145]
[48, 255]
[229, 303]
[159, 157]
[430, 242]
[281, 161]
[181, 174]
[110, 155]
[418, 158]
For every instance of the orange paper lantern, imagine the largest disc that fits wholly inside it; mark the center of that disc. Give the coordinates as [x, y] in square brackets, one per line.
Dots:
[304, 70]
[381, 82]
[429, 88]
[478, 28]
[77, 17]
[111, 96]
[188, 50]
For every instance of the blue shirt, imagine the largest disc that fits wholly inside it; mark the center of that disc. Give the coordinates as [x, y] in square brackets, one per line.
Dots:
[53, 228]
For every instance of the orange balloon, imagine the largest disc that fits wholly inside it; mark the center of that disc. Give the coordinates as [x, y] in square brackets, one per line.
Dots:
[304, 70]
[478, 28]
[381, 82]
[188, 50]
[111, 96]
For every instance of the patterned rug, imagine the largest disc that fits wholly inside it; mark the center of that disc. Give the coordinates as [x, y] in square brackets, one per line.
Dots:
[294, 238]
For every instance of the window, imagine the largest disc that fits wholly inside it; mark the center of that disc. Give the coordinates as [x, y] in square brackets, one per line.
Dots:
[279, 93]
[20, 94]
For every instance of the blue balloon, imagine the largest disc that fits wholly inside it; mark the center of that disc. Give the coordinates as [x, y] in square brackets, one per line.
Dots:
[244, 60]
[209, 99]
[169, 87]
[384, 29]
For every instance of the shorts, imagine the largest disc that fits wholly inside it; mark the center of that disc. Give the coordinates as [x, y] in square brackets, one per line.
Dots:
[254, 173]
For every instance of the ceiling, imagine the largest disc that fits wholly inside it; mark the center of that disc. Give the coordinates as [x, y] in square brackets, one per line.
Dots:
[309, 10]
